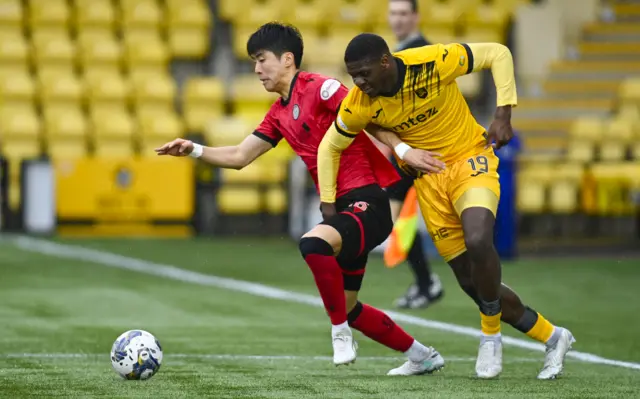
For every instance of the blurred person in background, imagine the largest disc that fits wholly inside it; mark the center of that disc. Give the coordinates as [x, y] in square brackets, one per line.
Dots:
[427, 288]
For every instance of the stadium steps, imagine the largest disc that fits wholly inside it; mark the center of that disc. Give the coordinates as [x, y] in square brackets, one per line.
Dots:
[608, 53]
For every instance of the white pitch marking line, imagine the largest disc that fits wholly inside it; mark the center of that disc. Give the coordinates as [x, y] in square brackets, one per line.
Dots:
[241, 357]
[171, 272]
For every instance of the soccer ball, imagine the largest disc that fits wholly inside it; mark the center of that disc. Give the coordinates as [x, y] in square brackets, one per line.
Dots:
[136, 355]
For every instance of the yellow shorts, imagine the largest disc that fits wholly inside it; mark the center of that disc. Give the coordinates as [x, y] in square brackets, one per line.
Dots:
[471, 182]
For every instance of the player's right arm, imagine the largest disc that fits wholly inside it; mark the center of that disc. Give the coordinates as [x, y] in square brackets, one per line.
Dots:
[352, 118]
[229, 157]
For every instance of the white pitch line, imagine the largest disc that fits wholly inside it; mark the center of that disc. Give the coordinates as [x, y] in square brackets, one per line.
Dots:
[171, 272]
[243, 357]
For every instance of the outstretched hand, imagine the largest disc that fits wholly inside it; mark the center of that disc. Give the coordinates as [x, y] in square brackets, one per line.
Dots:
[176, 148]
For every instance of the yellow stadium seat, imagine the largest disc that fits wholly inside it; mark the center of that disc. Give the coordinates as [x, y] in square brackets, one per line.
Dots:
[113, 149]
[533, 181]
[613, 151]
[203, 100]
[249, 97]
[260, 12]
[94, 15]
[306, 14]
[140, 15]
[19, 121]
[352, 13]
[99, 54]
[60, 90]
[580, 151]
[232, 10]
[276, 201]
[442, 16]
[564, 188]
[67, 149]
[48, 14]
[486, 19]
[146, 54]
[67, 123]
[240, 36]
[111, 123]
[239, 200]
[620, 129]
[106, 88]
[54, 53]
[188, 28]
[161, 126]
[189, 43]
[635, 151]
[14, 54]
[251, 173]
[274, 170]
[588, 128]
[154, 91]
[470, 84]
[227, 131]
[11, 14]
[630, 91]
[17, 87]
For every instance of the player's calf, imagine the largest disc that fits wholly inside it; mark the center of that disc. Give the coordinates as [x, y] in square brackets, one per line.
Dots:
[319, 255]
[376, 325]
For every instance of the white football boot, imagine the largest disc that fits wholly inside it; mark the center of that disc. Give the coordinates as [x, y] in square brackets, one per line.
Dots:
[432, 363]
[555, 354]
[344, 347]
[489, 362]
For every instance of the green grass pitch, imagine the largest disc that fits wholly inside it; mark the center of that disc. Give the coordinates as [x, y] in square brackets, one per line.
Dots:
[59, 317]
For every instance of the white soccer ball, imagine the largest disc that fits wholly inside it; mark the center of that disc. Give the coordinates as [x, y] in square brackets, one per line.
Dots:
[136, 355]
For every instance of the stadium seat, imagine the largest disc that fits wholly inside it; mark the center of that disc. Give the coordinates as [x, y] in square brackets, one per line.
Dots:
[259, 12]
[146, 54]
[202, 100]
[189, 26]
[96, 16]
[486, 22]
[276, 201]
[111, 123]
[443, 16]
[16, 87]
[11, 14]
[14, 54]
[533, 181]
[249, 97]
[239, 200]
[140, 15]
[635, 151]
[613, 182]
[106, 89]
[19, 121]
[114, 149]
[629, 91]
[240, 36]
[587, 128]
[620, 129]
[565, 188]
[161, 126]
[307, 14]
[99, 54]
[67, 149]
[354, 14]
[48, 15]
[54, 54]
[580, 151]
[153, 92]
[68, 123]
[60, 90]
[227, 131]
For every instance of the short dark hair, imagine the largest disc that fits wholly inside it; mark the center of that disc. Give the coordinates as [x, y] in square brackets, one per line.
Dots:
[278, 38]
[366, 47]
[414, 4]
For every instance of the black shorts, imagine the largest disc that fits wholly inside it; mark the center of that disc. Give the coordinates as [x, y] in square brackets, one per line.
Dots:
[364, 222]
[399, 190]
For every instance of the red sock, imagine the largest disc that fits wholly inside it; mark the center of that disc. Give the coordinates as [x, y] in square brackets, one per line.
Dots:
[376, 325]
[329, 281]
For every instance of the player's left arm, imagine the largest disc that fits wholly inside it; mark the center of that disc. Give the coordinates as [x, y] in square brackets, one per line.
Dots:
[498, 58]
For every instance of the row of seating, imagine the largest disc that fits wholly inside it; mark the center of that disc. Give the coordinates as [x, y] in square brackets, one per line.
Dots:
[183, 31]
[603, 188]
[366, 13]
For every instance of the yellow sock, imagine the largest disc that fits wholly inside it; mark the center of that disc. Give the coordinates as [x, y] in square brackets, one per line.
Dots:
[542, 330]
[490, 324]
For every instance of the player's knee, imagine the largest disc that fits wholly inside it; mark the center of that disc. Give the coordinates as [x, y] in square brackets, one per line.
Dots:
[478, 241]
[314, 246]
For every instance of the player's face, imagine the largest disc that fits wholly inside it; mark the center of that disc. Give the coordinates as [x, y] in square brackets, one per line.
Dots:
[402, 19]
[270, 69]
[369, 76]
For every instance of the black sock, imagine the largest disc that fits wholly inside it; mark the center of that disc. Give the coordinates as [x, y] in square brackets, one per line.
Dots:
[419, 264]
[527, 321]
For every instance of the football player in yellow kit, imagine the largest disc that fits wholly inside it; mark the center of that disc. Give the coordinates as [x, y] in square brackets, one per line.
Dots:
[410, 101]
